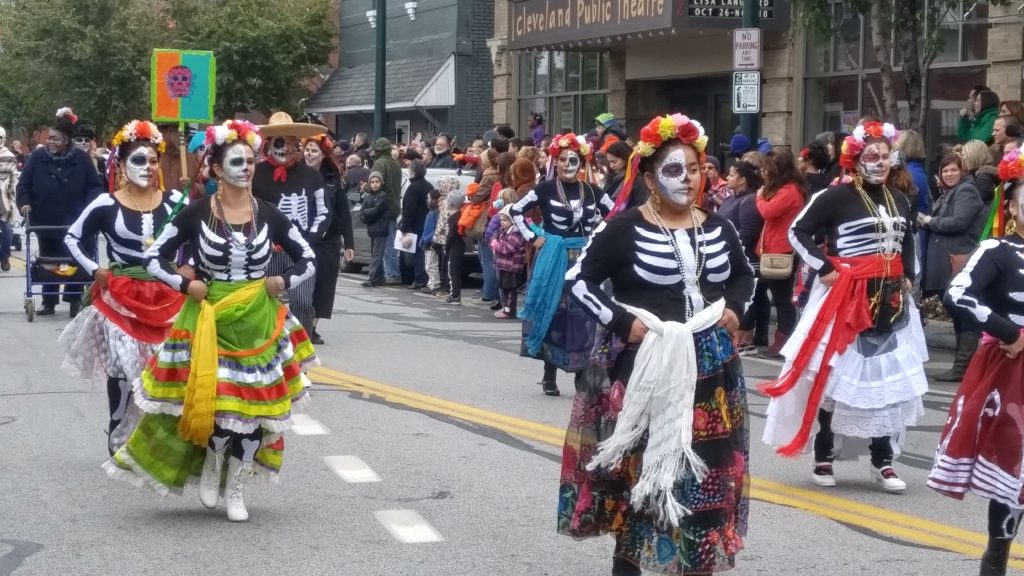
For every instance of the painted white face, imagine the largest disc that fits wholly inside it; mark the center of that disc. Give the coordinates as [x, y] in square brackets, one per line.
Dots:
[282, 149]
[569, 163]
[313, 154]
[677, 174]
[238, 166]
[3, 137]
[874, 163]
[141, 166]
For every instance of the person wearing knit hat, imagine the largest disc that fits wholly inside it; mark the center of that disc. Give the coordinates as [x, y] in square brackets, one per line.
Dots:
[739, 145]
[376, 214]
[51, 201]
[391, 176]
[609, 131]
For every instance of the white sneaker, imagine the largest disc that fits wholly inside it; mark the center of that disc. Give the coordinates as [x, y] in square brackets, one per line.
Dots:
[886, 476]
[238, 473]
[822, 475]
[209, 482]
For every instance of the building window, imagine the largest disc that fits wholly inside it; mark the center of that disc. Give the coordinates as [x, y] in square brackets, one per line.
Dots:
[567, 88]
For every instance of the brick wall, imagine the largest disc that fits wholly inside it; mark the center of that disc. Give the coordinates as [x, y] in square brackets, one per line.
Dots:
[474, 70]
[1006, 52]
[777, 89]
[502, 97]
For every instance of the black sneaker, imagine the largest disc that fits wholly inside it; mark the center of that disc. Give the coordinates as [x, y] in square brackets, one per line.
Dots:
[5, 265]
[496, 306]
[550, 388]
[369, 284]
[46, 311]
[316, 339]
[453, 301]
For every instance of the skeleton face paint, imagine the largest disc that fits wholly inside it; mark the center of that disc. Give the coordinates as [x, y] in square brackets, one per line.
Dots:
[313, 154]
[238, 166]
[141, 166]
[3, 137]
[677, 174]
[282, 149]
[569, 165]
[874, 163]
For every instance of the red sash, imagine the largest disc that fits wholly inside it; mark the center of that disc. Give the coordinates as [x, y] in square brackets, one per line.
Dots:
[151, 306]
[846, 303]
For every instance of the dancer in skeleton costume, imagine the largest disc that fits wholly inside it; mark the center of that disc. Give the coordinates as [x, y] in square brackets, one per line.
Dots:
[856, 360]
[8, 200]
[555, 330]
[656, 453]
[284, 179]
[129, 312]
[982, 446]
[225, 381]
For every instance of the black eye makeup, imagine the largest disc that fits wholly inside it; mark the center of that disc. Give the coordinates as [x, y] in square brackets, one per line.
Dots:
[138, 160]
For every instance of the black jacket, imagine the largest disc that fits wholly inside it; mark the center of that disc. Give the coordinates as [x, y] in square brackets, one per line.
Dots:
[742, 212]
[376, 214]
[444, 160]
[336, 196]
[415, 205]
[58, 189]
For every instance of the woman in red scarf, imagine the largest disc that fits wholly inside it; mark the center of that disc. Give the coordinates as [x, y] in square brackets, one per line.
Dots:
[855, 360]
[130, 312]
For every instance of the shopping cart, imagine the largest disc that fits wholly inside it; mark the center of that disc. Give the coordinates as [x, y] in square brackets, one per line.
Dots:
[45, 271]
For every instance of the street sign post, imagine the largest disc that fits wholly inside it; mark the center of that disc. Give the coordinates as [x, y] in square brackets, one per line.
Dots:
[746, 92]
[746, 49]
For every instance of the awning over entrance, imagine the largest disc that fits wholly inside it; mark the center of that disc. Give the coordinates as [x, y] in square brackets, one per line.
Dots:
[410, 84]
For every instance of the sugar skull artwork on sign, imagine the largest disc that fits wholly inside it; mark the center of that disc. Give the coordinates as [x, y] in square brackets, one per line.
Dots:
[179, 81]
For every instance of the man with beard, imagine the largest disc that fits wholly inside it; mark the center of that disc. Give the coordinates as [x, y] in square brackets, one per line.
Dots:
[58, 182]
[443, 154]
[297, 190]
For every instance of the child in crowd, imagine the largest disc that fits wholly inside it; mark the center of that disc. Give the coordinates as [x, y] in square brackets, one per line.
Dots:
[449, 188]
[427, 242]
[376, 213]
[510, 259]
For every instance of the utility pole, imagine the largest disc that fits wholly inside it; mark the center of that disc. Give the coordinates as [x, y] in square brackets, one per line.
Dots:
[750, 124]
[379, 97]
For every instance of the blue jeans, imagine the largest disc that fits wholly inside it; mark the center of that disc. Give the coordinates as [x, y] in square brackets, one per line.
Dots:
[6, 237]
[490, 289]
[391, 270]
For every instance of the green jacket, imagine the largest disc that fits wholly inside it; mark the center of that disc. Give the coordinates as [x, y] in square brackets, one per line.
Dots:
[980, 128]
[392, 173]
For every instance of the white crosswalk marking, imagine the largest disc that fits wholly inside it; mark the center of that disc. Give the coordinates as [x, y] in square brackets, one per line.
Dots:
[305, 425]
[407, 526]
[351, 469]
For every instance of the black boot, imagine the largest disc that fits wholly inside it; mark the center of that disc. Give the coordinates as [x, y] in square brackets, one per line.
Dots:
[548, 381]
[966, 346]
[993, 562]
[623, 567]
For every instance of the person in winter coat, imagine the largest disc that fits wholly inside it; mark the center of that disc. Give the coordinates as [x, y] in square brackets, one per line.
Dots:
[58, 182]
[8, 202]
[376, 214]
[741, 209]
[510, 259]
[609, 131]
[953, 233]
[387, 167]
[426, 244]
[911, 147]
[415, 207]
[443, 154]
[449, 211]
[779, 201]
[976, 123]
[318, 153]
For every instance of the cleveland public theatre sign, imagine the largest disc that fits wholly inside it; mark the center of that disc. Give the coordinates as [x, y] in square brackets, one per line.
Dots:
[536, 23]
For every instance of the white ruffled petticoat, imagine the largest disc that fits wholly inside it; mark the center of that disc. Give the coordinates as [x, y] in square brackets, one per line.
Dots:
[95, 348]
[870, 396]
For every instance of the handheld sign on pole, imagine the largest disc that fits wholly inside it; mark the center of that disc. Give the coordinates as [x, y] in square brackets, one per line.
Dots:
[183, 89]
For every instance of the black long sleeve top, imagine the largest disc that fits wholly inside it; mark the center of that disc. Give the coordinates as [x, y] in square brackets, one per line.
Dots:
[586, 204]
[990, 288]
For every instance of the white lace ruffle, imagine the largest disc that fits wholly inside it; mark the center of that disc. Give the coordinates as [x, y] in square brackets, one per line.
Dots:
[95, 348]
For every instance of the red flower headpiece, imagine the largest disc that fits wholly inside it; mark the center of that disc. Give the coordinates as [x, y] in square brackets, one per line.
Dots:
[66, 112]
[853, 146]
[568, 141]
[1012, 166]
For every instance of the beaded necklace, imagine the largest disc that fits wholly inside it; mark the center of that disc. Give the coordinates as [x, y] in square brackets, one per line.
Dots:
[691, 278]
[577, 215]
[229, 230]
[889, 239]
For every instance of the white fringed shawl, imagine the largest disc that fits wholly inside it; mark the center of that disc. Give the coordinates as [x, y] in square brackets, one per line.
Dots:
[659, 400]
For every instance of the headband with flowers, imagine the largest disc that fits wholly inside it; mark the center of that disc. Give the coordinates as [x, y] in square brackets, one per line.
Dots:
[659, 131]
[232, 131]
[853, 145]
[1012, 166]
[323, 140]
[66, 112]
[140, 130]
[568, 141]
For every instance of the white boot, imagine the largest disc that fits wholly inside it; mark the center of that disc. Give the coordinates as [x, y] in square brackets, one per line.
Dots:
[238, 473]
[887, 477]
[209, 483]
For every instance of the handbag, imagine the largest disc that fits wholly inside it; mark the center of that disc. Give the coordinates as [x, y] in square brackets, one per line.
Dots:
[775, 266]
[477, 231]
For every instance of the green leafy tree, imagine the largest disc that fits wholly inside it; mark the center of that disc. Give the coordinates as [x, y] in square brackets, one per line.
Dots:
[913, 25]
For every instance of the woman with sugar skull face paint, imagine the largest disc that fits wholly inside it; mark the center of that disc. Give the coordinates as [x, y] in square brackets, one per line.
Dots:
[982, 438]
[856, 359]
[224, 383]
[667, 372]
[555, 330]
[128, 312]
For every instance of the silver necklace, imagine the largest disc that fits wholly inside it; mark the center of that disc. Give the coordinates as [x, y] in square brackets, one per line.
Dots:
[691, 281]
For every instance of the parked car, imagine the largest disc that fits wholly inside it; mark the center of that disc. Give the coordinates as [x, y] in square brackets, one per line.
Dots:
[362, 241]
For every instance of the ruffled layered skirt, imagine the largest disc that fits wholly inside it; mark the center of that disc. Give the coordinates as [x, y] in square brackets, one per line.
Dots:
[261, 351]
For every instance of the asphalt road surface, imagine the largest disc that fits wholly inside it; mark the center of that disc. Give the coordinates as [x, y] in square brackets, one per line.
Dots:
[428, 450]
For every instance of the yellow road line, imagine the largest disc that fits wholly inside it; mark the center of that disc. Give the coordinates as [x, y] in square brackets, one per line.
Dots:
[17, 263]
[894, 524]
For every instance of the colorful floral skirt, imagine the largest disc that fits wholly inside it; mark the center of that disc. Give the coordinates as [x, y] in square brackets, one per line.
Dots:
[570, 337]
[981, 446]
[261, 351]
[595, 503]
[120, 327]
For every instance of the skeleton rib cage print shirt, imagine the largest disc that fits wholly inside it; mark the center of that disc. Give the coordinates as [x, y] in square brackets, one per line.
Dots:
[639, 259]
[229, 260]
[300, 197]
[124, 228]
[991, 287]
[576, 217]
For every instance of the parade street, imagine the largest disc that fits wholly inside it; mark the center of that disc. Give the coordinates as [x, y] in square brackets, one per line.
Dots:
[428, 449]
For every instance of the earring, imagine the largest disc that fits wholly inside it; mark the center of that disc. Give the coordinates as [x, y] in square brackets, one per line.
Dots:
[1011, 227]
[858, 182]
[122, 183]
[655, 202]
[220, 185]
